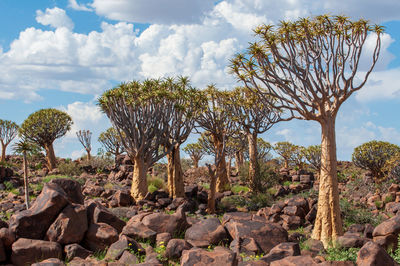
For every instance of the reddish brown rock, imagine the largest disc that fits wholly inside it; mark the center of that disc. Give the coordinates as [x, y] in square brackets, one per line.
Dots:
[206, 232]
[97, 213]
[220, 256]
[163, 238]
[281, 251]
[50, 262]
[175, 247]
[28, 251]
[7, 237]
[116, 250]
[170, 223]
[294, 211]
[123, 198]
[72, 189]
[295, 261]
[70, 225]
[33, 223]
[100, 236]
[127, 258]
[351, 241]
[76, 251]
[372, 254]
[138, 231]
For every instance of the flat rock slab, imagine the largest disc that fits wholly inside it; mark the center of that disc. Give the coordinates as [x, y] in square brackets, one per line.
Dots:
[28, 251]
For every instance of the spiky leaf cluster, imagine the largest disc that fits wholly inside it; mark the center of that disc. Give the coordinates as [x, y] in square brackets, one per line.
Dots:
[85, 137]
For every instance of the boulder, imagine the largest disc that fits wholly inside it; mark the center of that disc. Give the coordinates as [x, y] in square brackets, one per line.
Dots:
[294, 211]
[116, 250]
[206, 232]
[100, 236]
[281, 251]
[245, 245]
[7, 237]
[72, 189]
[49, 262]
[138, 231]
[219, 256]
[391, 226]
[295, 261]
[97, 213]
[34, 222]
[163, 238]
[3, 255]
[123, 198]
[170, 223]
[70, 225]
[76, 251]
[127, 258]
[267, 235]
[175, 247]
[372, 254]
[351, 241]
[28, 251]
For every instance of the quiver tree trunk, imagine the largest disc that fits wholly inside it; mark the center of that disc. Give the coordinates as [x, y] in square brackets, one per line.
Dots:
[3, 152]
[26, 184]
[221, 174]
[175, 176]
[229, 167]
[88, 156]
[211, 195]
[254, 169]
[139, 180]
[195, 162]
[239, 160]
[50, 156]
[328, 222]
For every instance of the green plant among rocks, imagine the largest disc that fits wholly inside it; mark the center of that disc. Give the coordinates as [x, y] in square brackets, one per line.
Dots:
[341, 254]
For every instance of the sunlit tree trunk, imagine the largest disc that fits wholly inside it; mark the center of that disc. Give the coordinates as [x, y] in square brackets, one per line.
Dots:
[211, 195]
[88, 156]
[195, 163]
[50, 156]
[254, 170]
[229, 167]
[26, 184]
[328, 223]
[3, 152]
[139, 180]
[221, 174]
[175, 176]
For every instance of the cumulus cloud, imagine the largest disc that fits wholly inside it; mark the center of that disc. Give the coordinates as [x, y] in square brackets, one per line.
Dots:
[154, 11]
[80, 7]
[54, 17]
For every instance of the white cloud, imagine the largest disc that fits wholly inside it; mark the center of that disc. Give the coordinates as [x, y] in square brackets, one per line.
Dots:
[54, 17]
[154, 11]
[80, 7]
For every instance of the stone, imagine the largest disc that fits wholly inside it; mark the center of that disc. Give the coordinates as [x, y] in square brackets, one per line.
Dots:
[356, 228]
[170, 223]
[368, 231]
[123, 198]
[350, 241]
[391, 226]
[34, 222]
[97, 213]
[124, 243]
[28, 251]
[291, 222]
[100, 236]
[219, 256]
[394, 188]
[7, 237]
[93, 190]
[76, 251]
[3, 255]
[306, 179]
[72, 189]
[175, 247]
[245, 245]
[138, 231]
[282, 250]
[372, 254]
[295, 261]
[236, 216]
[299, 202]
[392, 207]
[127, 258]
[191, 191]
[267, 235]
[294, 211]
[206, 232]
[163, 238]
[70, 225]
[387, 241]
[310, 217]
[50, 262]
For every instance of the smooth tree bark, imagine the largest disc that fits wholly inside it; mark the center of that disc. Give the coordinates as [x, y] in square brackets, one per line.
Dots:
[309, 67]
[8, 132]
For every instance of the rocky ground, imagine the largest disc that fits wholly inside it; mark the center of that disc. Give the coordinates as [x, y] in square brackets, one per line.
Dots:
[91, 219]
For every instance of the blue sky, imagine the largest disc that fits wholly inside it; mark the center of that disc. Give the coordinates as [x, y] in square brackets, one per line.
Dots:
[64, 54]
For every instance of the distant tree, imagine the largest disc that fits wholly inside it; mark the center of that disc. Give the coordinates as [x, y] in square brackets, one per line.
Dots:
[8, 131]
[299, 156]
[215, 119]
[196, 153]
[373, 156]
[313, 156]
[84, 137]
[286, 150]
[112, 142]
[263, 150]
[309, 68]
[43, 128]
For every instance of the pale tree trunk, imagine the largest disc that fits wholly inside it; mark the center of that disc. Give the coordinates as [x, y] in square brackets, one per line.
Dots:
[175, 176]
[211, 195]
[253, 163]
[50, 156]
[229, 167]
[328, 222]
[222, 178]
[26, 184]
[286, 163]
[3, 152]
[88, 156]
[139, 180]
[195, 162]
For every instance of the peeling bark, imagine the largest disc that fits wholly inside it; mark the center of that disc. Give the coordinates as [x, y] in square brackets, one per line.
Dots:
[211, 195]
[50, 156]
[175, 175]
[221, 174]
[254, 169]
[139, 180]
[328, 222]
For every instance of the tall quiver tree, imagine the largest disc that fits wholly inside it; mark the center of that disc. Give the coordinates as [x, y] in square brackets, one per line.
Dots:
[141, 113]
[187, 105]
[196, 153]
[215, 119]
[112, 141]
[85, 137]
[8, 132]
[254, 116]
[43, 128]
[310, 67]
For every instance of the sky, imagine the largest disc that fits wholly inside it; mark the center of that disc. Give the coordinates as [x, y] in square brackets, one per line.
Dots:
[64, 54]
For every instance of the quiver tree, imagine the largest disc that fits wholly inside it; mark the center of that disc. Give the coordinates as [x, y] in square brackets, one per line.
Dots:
[313, 156]
[373, 155]
[112, 141]
[196, 153]
[141, 113]
[85, 137]
[187, 105]
[310, 67]
[254, 116]
[215, 119]
[287, 151]
[298, 156]
[43, 128]
[8, 131]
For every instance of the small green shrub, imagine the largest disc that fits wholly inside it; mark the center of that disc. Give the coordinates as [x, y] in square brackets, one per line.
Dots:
[259, 200]
[267, 177]
[231, 202]
[69, 168]
[357, 215]
[151, 188]
[396, 253]
[341, 254]
[287, 183]
[156, 182]
[206, 186]
[237, 189]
